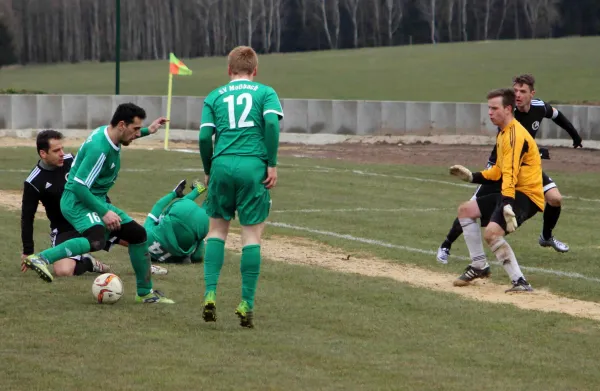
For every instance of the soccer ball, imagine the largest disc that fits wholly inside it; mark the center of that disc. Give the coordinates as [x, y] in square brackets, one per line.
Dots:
[107, 288]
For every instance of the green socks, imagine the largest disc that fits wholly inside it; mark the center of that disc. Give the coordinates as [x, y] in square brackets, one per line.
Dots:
[70, 248]
[140, 260]
[213, 262]
[250, 268]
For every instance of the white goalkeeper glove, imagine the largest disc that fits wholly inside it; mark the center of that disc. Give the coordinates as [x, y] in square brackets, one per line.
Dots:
[510, 218]
[461, 172]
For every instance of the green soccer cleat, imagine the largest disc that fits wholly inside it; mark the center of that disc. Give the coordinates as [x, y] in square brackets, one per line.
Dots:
[209, 312]
[154, 297]
[39, 265]
[245, 314]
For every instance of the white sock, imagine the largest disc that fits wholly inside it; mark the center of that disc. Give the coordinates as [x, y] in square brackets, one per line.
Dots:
[507, 258]
[472, 234]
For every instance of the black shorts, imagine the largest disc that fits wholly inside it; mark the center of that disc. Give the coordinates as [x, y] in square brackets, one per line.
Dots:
[547, 182]
[57, 237]
[491, 209]
[487, 189]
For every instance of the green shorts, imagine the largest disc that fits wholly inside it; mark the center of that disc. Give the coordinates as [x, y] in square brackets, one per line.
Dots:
[82, 218]
[235, 185]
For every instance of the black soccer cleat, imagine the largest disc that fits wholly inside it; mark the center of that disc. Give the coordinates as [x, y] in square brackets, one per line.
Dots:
[180, 188]
[521, 285]
[471, 274]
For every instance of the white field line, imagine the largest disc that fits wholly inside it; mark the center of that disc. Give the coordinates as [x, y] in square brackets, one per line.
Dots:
[349, 210]
[421, 251]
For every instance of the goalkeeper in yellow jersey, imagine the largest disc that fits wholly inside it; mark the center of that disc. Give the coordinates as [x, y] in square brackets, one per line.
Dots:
[519, 167]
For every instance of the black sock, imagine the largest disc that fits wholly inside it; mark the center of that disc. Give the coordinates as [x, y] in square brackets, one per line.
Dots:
[551, 215]
[453, 234]
[85, 265]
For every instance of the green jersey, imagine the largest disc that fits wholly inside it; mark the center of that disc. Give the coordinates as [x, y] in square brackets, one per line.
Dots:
[97, 164]
[236, 111]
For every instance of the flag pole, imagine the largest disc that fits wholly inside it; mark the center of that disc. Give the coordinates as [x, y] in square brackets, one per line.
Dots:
[168, 111]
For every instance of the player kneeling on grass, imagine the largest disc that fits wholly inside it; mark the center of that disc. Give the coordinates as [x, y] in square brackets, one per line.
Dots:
[519, 167]
[84, 205]
[240, 170]
[45, 184]
[176, 230]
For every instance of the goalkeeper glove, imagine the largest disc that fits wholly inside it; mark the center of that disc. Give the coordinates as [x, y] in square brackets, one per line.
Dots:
[461, 172]
[544, 153]
[197, 184]
[510, 218]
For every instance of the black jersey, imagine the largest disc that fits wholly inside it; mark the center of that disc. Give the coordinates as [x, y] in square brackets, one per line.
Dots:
[530, 120]
[46, 186]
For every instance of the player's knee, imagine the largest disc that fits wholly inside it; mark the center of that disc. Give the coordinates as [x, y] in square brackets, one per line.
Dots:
[492, 233]
[96, 237]
[133, 233]
[465, 210]
[554, 198]
[64, 267]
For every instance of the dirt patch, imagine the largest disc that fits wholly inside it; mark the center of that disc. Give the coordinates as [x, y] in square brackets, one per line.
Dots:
[300, 251]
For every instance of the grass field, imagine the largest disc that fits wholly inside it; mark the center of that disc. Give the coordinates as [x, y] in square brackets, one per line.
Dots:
[316, 328]
[565, 68]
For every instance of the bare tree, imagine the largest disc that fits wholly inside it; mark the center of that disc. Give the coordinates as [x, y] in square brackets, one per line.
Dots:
[505, 5]
[335, 17]
[428, 9]
[394, 13]
[463, 19]
[540, 12]
[489, 5]
[449, 18]
[352, 8]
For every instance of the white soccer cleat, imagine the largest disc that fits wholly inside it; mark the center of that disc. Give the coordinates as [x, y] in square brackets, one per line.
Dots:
[98, 267]
[159, 270]
[554, 243]
[442, 255]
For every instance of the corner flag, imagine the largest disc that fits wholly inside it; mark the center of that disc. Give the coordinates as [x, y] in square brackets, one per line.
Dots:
[176, 67]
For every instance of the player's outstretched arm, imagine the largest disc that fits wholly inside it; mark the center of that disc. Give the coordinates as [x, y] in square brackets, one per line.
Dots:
[154, 126]
[29, 206]
[564, 123]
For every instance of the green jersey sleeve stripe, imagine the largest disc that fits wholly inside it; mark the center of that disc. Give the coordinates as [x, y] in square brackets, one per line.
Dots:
[80, 181]
[274, 112]
[208, 124]
[95, 171]
[152, 217]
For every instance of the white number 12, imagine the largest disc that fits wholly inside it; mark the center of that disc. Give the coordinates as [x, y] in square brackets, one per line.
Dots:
[246, 99]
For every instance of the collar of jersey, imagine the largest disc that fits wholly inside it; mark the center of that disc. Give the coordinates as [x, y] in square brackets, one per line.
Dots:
[509, 124]
[233, 81]
[109, 140]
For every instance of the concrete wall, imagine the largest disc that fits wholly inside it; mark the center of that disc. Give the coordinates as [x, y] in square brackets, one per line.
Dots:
[311, 117]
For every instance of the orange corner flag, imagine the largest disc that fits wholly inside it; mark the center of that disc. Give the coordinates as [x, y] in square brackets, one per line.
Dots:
[176, 67]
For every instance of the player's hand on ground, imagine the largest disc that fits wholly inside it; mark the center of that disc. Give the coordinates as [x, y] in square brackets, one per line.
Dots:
[461, 172]
[271, 180]
[510, 218]
[154, 126]
[112, 221]
[577, 143]
[180, 188]
[23, 267]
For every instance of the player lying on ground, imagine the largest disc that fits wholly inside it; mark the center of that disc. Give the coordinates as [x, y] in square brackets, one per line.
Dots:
[530, 113]
[240, 170]
[519, 166]
[83, 203]
[45, 184]
[176, 230]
